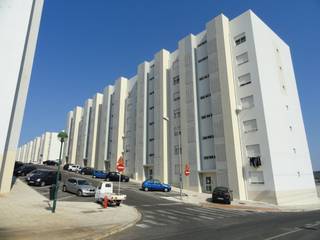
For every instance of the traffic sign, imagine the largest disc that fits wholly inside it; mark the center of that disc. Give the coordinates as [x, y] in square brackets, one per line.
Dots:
[120, 167]
[120, 164]
[187, 170]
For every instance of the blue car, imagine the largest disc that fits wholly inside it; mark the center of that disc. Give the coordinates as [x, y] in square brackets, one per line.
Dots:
[155, 185]
[99, 174]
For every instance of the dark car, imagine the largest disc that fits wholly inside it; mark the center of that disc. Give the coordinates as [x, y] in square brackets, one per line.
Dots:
[66, 167]
[222, 194]
[114, 176]
[18, 164]
[86, 171]
[24, 170]
[43, 178]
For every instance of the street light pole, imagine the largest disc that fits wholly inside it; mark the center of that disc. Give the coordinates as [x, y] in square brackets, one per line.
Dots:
[62, 136]
[180, 164]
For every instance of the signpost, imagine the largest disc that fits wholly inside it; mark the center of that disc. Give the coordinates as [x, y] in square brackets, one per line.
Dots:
[120, 168]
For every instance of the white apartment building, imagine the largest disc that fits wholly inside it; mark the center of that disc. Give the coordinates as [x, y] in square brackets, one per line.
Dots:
[225, 101]
[40, 149]
[19, 25]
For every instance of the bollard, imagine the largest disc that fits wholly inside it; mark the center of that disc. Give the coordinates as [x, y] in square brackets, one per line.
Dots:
[105, 202]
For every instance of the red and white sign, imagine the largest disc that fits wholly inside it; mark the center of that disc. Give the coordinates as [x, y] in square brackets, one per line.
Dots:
[120, 165]
[187, 170]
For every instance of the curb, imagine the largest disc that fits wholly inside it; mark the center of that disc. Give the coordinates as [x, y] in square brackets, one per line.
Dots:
[122, 227]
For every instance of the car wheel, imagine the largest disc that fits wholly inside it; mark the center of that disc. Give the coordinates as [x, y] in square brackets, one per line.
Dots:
[118, 203]
[107, 179]
[82, 173]
[165, 190]
[64, 188]
[94, 176]
[23, 174]
[228, 202]
[79, 193]
[146, 189]
[42, 184]
[123, 180]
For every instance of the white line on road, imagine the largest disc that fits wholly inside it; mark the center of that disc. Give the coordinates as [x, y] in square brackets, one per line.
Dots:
[66, 197]
[142, 225]
[296, 229]
[168, 204]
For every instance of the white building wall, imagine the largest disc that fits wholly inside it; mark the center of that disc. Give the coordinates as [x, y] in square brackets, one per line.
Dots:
[93, 146]
[68, 130]
[19, 24]
[104, 129]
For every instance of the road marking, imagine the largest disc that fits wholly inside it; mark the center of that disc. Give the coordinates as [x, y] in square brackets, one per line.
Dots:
[66, 197]
[168, 204]
[154, 222]
[296, 229]
[200, 211]
[142, 225]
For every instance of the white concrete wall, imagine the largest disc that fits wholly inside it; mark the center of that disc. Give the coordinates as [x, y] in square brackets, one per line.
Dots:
[103, 142]
[68, 130]
[93, 146]
[19, 24]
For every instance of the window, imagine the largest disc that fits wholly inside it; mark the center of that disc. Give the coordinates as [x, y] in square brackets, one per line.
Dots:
[151, 123]
[240, 39]
[151, 139]
[152, 107]
[247, 102]
[205, 96]
[176, 149]
[256, 177]
[151, 155]
[202, 43]
[250, 125]
[176, 80]
[253, 150]
[243, 58]
[176, 113]
[294, 150]
[206, 116]
[176, 96]
[177, 131]
[244, 79]
[207, 137]
[204, 77]
[209, 157]
[202, 59]
[152, 78]
[151, 93]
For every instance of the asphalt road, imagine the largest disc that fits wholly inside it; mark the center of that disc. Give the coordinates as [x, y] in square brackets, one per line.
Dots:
[166, 219]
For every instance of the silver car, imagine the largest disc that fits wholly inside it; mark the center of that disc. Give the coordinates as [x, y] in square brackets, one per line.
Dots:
[79, 186]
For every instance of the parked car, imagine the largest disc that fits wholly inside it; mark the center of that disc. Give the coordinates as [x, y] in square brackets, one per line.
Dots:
[66, 166]
[50, 163]
[42, 178]
[86, 171]
[79, 186]
[36, 171]
[24, 170]
[114, 176]
[99, 174]
[155, 185]
[222, 194]
[74, 168]
[18, 164]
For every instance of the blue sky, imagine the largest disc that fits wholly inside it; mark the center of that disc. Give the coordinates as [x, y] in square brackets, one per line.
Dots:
[84, 45]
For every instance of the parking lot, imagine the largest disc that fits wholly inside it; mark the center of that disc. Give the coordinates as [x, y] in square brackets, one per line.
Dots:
[126, 188]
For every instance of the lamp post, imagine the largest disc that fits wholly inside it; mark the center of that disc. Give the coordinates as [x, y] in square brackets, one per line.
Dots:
[180, 157]
[62, 136]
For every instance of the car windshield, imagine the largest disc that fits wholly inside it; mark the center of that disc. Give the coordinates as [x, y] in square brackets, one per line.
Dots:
[221, 189]
[83, 182]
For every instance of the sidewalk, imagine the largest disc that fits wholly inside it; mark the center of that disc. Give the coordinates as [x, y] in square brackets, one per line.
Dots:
[26, 214]
[204, 199]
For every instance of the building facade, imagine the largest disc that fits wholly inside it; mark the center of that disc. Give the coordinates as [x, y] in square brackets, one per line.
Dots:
[19, 25]
[224, 103]
[40, 149]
